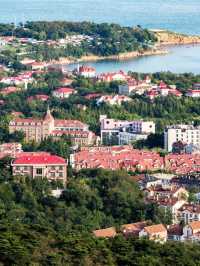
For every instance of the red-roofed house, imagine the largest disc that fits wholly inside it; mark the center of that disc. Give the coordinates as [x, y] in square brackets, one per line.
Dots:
[193, 93]
[157, 233]
[39, 97]
[64, 92]
[116, 76]
[41, 165]
[86, 71]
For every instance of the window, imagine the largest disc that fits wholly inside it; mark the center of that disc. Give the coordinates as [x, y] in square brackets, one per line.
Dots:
[60, 167]
[39, 171]
[60, 174]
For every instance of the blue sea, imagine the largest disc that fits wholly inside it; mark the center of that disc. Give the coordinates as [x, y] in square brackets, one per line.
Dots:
[177, 15]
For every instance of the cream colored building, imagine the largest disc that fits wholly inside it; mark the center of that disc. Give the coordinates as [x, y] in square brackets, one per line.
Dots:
[185, 133]
[39, 129]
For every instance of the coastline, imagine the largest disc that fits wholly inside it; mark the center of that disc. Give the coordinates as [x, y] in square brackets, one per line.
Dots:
[165, 39]
[122, 56]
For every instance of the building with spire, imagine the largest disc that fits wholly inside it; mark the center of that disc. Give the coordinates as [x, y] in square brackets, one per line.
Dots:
[40, 129]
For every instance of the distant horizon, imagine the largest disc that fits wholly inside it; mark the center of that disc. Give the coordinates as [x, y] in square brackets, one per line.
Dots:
[183, 17]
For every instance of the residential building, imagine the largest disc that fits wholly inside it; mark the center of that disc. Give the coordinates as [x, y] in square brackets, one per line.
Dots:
[115, 158]
[115, 76]
[38, 97]
[175, 232]
[133, 229]
[10, 149]
[189, 213]
[192, 231]
[64, 92]
[124, 132]
[169, 205]
[39, 129]
[157, 233]
[9, 90]
[52, 167]
[86, 71]
[105, 233]
[134, 86]
[113, 99]
[172, 192]
[188, 134]
[193, 93]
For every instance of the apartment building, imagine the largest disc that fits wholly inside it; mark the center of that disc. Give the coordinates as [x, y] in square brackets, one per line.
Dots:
[123, 132]
[187, 134]
[43, 165]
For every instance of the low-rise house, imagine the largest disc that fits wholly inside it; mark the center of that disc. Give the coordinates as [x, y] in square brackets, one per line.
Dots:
[173, 192]
[192, 231]
[37, 65]
[189, 213]
[9, 90]
[175, 232]
[113, 99]
[92, 96]
[157, 233]
[170, 205]
[115, 76]
[134, 86]
[10, 149]
[63, 93]
[105, 233]
[86, 71]
[38, 97]
[66, 82]
[52, 167]
[193, 93]
[133, 229]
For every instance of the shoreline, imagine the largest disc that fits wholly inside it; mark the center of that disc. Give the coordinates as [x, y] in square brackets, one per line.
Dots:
[165, 39]
[119, 57]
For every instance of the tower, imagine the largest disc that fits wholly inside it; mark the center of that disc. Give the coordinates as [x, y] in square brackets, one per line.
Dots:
[48, 124]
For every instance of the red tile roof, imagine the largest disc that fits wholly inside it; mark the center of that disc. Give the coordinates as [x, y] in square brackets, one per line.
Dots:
[39, 159]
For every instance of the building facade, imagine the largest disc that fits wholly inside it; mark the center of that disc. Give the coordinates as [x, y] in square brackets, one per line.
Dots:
[187, 134]
[52, 167]
[39, 129]
[124, 132]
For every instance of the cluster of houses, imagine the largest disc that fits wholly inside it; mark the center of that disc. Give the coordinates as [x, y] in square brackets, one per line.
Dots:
[154, 232]
[185, 216]
[130, 159]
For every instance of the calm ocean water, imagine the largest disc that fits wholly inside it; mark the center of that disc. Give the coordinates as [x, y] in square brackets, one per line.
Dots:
[177, 15]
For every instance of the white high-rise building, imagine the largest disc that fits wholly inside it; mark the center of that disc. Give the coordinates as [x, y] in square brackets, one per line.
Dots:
[187, 134]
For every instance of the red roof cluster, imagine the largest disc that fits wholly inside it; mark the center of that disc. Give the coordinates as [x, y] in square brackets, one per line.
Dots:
[65, 90]
[125, 157]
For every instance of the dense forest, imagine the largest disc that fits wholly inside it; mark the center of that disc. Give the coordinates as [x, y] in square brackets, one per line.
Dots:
[106, 39]
[39, 229]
